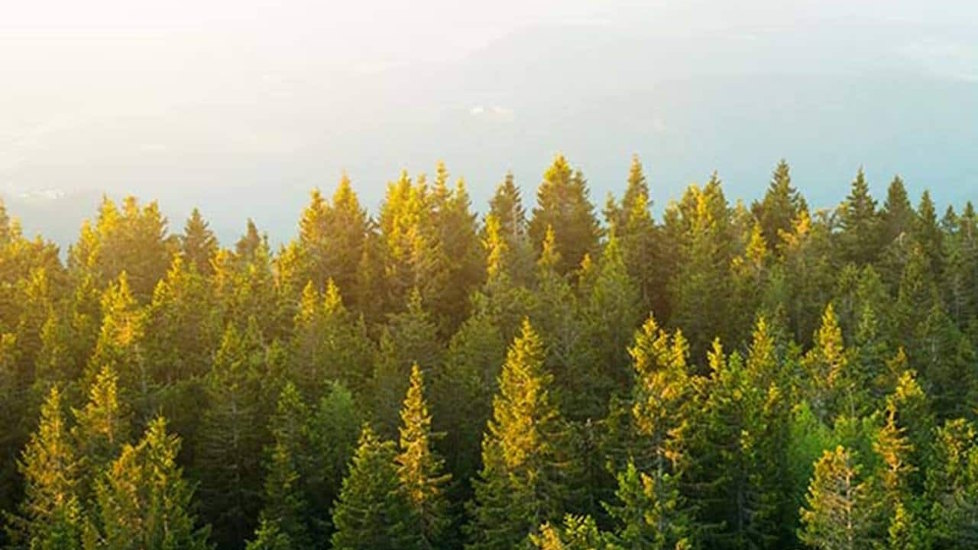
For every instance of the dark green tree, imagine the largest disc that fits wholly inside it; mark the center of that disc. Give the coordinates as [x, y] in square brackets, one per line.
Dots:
[373, 512]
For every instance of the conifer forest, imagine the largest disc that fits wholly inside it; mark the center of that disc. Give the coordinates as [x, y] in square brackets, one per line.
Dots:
[541, 372]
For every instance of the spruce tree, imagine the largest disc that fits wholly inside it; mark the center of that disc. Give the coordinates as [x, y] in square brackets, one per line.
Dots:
[334, 428]
[575, 533]
[838, 510]
[198, 245]
[143, 500]
[779, 209]
[520, 485]
[663, 400]
[372, 511]
[858, 220]
[51, 515]
[228, 457]
[102, 427]
[952, 486]
[285, 508]
[408, 338]
[419, 468]
[563, 205]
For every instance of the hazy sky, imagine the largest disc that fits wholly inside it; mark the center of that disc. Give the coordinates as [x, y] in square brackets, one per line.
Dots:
[191, 96]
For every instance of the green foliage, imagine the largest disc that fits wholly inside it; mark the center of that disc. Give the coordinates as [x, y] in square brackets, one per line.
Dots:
[838, 509]
[419, 468]
[564, 207]
[143, 500]
[373, 512]
[819, 427]
[51, 512]
[519, 487]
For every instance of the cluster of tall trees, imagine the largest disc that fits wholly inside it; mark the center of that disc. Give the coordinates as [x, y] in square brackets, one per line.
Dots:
[724, 376]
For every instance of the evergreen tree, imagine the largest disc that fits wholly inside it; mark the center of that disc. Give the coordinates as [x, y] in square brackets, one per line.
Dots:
[837, 514]
[576, 533]
[895, 486]
[229, 445]
[632, 223]
[333, 431]
[780, 207]
[653, 508]
[372, 511]
[563, 205]
[409, 338]
[519, 487]
[102, 427]
[121, 346]
[143, 500]
[284, 511]
[858, 221]
[462, 393]
[419, 468]
[505, 234]
[952, 486]
[51, 513]
[198, 245]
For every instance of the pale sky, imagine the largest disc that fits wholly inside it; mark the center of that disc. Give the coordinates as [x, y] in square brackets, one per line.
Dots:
[163, 96]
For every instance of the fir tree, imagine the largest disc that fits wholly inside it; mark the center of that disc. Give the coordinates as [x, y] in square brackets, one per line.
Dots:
[419, 468]
[284, 508]
[229, 447]
[51, 512]
[519, 487]
[564, 206]
[575, 533]
[838, 513]
[779, 209]
[143, 500]
[198, 245]
[372, 511]
[859, 220]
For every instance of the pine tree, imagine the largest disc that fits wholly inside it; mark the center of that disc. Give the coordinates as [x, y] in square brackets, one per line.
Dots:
[564, 206]
[409, 337]
[952, 486]
[51, 512]
[269, 537]
[121, 345]
[739, 452]
[699, 286]
[781, 206]
[329, 343]
[143, 500]
[837, 513]
[102, 427]
[333, 431]
[858, 220]
[419, 468]
[198, 245]
[519, 487]
[897, 216]
[830, 387]
[228, 462]
[895, 486]
[611, 315]
[575, 533]
[928, 234]
[653, 512]
[372, 512]
[285, 510]
[457, 234]
[635, 228]
[505, 234]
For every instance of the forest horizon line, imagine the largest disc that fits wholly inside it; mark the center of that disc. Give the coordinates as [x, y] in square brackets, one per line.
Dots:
[565, 375]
